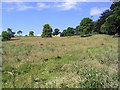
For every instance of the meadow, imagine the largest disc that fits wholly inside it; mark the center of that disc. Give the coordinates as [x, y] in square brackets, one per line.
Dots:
[60, 62]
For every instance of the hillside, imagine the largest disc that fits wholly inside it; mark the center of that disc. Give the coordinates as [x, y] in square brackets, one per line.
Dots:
[74, 62]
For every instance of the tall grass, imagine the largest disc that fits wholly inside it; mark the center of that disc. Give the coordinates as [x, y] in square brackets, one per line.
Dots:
[61, 62]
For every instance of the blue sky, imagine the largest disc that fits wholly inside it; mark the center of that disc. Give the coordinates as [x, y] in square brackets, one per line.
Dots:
[27, 16]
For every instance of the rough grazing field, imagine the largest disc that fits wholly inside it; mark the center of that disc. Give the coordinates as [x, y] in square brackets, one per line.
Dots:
[74, 62]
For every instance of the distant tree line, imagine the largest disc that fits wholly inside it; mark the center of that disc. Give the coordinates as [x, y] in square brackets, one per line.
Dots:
[108, 23]
[7, 35]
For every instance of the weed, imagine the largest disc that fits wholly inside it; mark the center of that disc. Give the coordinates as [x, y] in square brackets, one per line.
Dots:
[41, 44]
[18, 60]
[58, 57]
[46, 59]
[102, 43]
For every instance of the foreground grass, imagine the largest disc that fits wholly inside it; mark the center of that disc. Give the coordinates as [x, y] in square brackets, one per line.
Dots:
[74, 62]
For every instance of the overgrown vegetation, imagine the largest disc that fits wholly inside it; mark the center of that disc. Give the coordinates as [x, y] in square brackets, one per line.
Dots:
[61, 62]
[65, 62]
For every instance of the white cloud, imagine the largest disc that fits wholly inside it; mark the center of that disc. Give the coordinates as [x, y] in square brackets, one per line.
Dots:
[68, 4]
[96, 11]
[21, 6]
[42, 5]
[38, 35]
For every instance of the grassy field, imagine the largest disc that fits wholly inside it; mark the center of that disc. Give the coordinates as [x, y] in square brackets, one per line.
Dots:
[60, 62]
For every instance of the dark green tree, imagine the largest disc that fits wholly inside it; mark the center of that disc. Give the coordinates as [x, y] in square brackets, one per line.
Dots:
[77, 30]
[101, 20]
[47, 31]
[9, 30]
[86, 26]
[31, 33]
[19, 32]
[114, 5]
[61, 35]
[13, 34]
[6, 36]
[112, 23]
[70, 31]
[56, 32]
[64, 32]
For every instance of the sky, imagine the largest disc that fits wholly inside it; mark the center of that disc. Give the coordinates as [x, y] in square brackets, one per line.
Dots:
[31, 16]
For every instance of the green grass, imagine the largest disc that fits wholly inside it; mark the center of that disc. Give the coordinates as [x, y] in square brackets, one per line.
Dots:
[65, 62]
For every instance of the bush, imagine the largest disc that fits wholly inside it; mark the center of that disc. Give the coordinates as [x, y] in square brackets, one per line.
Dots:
[6, 36]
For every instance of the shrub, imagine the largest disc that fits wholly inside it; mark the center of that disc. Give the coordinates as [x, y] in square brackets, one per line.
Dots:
[41, 44]
[58, 57]
[6, 36]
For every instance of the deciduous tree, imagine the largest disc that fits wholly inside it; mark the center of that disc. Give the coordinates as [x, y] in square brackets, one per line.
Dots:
[31, 33]
[47, 31]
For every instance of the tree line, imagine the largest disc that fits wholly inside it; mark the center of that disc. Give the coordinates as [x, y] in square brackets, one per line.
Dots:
[7, 35]
[108, 23]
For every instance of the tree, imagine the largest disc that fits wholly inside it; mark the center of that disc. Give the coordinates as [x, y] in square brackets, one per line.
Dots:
[77, 30]
[19, 32]
[70, 31]
[112, 23]
[56, 32]
[109, 27]
[47, 31]
[114, 5]
[13, 34]
[31, 33]
[6, 36]
[61, 34]
[86, 26]
[101, 20]
[10, 32]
